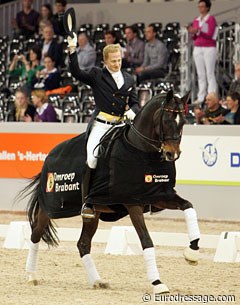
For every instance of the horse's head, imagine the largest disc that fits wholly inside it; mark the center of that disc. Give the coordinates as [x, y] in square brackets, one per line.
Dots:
[158, 126]
[168, 124]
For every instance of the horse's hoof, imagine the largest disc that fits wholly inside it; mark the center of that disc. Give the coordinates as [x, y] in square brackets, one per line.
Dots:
[160, 288]
[32, 279]
[101, 284]
[33, 282]
[191, 256]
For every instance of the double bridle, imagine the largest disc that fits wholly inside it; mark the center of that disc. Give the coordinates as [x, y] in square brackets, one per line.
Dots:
[157, 144]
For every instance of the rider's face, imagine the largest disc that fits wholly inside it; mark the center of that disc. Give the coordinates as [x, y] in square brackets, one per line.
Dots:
[114, 61]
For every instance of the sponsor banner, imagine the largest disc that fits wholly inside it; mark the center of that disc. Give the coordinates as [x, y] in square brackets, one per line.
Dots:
[204, 160]
[209, 160]
[22, 154]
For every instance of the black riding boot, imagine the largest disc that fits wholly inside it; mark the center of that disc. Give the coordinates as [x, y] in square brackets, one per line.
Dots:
[87, 209]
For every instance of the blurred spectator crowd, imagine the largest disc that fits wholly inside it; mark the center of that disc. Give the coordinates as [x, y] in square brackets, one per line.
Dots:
[34, 64]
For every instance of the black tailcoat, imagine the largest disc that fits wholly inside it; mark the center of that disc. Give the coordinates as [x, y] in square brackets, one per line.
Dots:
[108, 97]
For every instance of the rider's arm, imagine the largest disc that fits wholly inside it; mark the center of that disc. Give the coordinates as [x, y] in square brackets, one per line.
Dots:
[133, 101]
[76, 72]
[83, 76]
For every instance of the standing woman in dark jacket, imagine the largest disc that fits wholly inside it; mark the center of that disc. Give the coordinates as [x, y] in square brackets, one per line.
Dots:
[115, 97]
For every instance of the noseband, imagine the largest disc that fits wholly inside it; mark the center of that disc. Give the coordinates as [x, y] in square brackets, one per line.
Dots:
[158, 145]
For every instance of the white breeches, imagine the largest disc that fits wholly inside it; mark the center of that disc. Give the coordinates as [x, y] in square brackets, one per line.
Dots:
[205, 61]
[97, 131]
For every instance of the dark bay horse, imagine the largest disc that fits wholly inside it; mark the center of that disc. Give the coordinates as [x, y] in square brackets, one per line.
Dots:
[155, 134]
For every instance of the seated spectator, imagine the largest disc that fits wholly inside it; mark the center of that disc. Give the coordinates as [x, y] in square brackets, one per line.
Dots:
[235, 84]
[27, 20]
[27, 70]
[134, 54]
[50, 46]
[155, 57]
[49, 77]
[60, 8]
[42, 24]
[110, 37]
[23, 110]
[46, 18]
[233, 114]
[212, 112]
[86, 52]
[45, 111]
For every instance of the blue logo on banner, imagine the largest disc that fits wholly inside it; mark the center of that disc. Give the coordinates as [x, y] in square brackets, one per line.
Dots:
[209, 154]
[235, 159]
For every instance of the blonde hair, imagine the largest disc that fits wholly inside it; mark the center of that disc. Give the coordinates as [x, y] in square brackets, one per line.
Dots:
[41, 94]
[111, 48]
[17, 107]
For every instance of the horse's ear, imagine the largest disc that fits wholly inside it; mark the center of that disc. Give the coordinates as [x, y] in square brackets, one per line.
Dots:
[186, 97]
[169, 96]
[184, 100]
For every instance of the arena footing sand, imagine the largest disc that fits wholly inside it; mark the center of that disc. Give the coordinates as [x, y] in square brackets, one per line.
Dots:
[62, 278]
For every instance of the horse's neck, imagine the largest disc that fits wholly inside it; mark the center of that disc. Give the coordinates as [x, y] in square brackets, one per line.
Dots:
[144, 125]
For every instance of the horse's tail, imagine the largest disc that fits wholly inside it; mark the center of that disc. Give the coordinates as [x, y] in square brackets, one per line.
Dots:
[49, 235]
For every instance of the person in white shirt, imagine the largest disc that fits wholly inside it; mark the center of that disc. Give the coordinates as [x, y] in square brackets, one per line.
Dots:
[86, 52]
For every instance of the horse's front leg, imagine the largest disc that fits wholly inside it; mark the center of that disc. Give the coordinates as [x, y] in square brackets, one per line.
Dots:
[84, 247]
[136, 215]
[175, 202]
[191, 253]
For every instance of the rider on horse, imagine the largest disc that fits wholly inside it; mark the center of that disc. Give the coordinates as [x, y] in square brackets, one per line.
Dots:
[115, 97]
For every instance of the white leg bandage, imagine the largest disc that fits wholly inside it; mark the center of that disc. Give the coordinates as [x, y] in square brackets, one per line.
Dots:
[92, 273]
[192, 224]
[31, 264]
[150, 259]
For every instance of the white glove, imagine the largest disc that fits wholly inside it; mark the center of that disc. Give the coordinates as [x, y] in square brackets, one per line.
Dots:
[72, 43]
[130, 114]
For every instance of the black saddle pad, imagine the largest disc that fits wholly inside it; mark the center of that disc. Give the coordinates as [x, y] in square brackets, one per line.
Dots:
[61, 178]
[125, 175]
[131, 176]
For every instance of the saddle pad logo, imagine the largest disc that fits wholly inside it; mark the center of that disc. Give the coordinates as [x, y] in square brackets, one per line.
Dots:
[50, 183]
[148, 178]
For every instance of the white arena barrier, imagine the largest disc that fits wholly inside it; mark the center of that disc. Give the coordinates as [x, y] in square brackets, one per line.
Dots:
[120, 240]
[228, 248]
[123, 240]
[17, 236]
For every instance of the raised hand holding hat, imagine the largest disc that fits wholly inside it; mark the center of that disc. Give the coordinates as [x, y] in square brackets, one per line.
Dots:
[72, 43]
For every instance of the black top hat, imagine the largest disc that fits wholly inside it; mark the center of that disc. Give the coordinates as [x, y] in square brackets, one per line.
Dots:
[69, 21]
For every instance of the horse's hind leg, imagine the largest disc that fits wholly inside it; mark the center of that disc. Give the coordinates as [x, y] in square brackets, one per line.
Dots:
[136, 215]
[84, 247]
[38, 228]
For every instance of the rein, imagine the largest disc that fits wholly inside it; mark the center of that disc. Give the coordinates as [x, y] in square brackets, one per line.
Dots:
[148, 140]
[145, 138]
